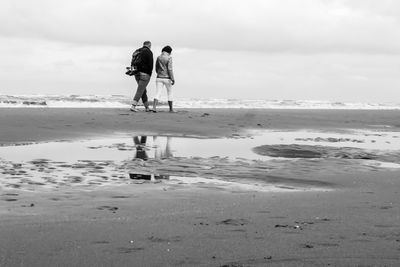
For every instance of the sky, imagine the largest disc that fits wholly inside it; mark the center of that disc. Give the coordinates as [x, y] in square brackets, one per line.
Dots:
[335, 50]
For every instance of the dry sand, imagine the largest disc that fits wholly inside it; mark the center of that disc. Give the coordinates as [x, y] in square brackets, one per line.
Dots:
[160, 224]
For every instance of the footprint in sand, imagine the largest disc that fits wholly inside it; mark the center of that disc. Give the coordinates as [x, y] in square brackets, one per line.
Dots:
[327, 244]
[248, 262]
[102, 242]
[123, 250]
[113, 209]
[235, 222]
[11, 194]
[164, 240]
[263, 211]
[15, 186]
[30, 205]
[120, 196]
[320, 244]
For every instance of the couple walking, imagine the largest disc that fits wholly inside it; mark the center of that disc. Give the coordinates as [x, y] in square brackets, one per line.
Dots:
[143, 64]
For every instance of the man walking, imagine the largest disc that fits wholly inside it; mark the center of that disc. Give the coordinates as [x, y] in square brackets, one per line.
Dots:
[144, 66]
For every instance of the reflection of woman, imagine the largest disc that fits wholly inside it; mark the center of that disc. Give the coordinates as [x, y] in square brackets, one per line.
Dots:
[140, 147]
[165, 77]
[159, 152]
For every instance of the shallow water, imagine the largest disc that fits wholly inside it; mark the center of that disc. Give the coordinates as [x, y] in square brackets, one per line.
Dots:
[249, 160]
[172, 146]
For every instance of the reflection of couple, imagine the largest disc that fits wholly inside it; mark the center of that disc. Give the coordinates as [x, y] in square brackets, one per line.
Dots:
[159, 152]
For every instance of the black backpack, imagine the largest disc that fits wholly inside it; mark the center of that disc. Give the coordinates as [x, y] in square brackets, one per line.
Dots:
[136, 58]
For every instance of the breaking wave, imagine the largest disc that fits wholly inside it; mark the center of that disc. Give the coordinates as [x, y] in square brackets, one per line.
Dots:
[122, 101]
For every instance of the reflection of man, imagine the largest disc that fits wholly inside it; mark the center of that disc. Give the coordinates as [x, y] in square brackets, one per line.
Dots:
[140, 147]
[160, 153]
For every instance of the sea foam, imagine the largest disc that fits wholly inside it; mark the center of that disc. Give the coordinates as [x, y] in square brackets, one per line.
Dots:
[121, 101]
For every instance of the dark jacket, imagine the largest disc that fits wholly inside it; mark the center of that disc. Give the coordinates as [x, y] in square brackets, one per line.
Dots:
[146, 62]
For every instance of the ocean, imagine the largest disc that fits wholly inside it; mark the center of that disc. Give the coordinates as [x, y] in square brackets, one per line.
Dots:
[122, 101]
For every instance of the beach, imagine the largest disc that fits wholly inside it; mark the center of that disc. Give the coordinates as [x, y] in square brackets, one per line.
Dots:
[224, 187]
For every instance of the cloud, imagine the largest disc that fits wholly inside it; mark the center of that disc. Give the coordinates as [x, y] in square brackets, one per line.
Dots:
[271, 49]
[48, 67]
[307, 26]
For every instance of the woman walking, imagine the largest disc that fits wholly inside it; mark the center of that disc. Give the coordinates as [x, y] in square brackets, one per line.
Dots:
[165, 77]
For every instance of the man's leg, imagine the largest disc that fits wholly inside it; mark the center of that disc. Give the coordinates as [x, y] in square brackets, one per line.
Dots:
[145, 100]
[142, 81]
[135, 99]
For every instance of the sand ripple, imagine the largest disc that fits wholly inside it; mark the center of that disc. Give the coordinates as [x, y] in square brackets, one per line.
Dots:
[312, 151]
[48, 174]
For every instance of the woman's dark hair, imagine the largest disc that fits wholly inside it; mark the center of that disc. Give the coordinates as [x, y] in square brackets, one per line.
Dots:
[167, 49]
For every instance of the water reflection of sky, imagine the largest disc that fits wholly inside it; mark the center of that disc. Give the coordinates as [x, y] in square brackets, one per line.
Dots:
[123, 148]
[158, 147]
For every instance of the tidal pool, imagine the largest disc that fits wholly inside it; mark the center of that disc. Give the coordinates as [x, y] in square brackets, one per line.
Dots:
[252, 159]
[174, 146]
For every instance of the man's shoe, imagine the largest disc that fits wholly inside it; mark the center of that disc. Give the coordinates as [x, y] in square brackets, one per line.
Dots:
[134, 109]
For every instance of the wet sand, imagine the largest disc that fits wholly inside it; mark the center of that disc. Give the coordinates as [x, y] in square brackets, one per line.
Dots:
[141, 223]
[32, 125]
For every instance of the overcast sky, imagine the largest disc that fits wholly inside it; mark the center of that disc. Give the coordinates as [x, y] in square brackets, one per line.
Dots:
[338, 50]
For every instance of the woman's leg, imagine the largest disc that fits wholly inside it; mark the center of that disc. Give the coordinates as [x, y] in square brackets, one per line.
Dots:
[159, 86]
[168, 85]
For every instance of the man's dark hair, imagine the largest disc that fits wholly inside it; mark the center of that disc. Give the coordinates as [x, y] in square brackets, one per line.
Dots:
[167, 49]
